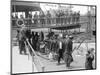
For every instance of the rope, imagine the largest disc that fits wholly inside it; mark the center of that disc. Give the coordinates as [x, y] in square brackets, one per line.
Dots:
[34, 54]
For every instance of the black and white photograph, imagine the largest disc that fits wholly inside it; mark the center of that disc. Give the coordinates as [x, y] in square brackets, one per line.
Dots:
[52, 37]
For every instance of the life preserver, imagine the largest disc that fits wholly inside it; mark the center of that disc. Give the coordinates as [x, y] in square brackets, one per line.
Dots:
[20, 22]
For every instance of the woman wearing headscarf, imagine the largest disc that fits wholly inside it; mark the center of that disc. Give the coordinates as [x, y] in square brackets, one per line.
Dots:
[89, 59]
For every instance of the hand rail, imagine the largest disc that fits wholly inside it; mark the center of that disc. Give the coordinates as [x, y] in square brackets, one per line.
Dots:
[53, 21]
[52, 17]
[34, 54]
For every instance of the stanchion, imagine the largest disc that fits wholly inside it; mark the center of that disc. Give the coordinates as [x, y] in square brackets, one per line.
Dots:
[32, 62]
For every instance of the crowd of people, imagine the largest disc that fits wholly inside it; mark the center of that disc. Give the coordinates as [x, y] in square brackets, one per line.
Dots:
[58, 17]
[31, 36]
[61, 48]
[57, 47]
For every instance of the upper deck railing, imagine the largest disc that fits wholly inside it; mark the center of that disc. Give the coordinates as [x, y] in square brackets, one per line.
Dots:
[55, 21]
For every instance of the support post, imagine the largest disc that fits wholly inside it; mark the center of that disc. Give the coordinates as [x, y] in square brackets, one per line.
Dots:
[32, 62]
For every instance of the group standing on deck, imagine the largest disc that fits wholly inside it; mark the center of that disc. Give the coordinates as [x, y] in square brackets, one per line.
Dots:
[49, 18]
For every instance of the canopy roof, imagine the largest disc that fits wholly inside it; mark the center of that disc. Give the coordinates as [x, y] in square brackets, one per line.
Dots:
[19, 6]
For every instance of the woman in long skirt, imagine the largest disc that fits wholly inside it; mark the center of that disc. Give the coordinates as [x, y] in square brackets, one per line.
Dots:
[89, 59]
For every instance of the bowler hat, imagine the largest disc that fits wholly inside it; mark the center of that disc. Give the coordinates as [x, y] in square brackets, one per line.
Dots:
[71, 37]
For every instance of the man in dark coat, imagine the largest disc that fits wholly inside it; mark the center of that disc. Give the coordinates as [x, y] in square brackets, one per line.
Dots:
[42, 18]
[48, 15]
[58, 17]
[73, 17]
[41, 36]
[28, 35]
[60, 50]
[22, 39]
[54, 47]
[16, 16]
[35, 18]
[30, 18]
[36, 40]
[78, 17]
[33, 39]
[68, 51]
[62, 15]
[17, 36]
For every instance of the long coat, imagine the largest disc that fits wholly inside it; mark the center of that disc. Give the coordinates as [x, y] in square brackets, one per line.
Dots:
[69, 46]
[54, 46]
[89, 60]
[59, 51]
[68, 52]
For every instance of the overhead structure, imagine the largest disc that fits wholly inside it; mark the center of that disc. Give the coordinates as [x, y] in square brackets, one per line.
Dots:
[26, 6]
[18, 6]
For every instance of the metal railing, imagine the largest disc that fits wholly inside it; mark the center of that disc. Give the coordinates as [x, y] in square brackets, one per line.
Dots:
[54, 21]
[36, 60]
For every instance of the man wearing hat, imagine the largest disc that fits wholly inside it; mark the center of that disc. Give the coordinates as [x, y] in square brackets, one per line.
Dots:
[61, 49]
[68, 50]
[22, 38]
